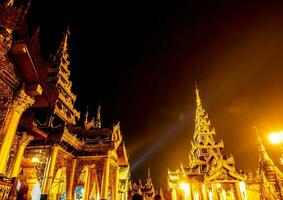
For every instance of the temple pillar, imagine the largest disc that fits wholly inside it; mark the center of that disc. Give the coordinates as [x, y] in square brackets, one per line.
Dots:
[86, 184]
[50, 171]
[20, 103]
[204, 192]
[214, 190]
[70, 188]
[25, 139]
[105, 181]
[174, 194]
[238, 191]
[117, 183]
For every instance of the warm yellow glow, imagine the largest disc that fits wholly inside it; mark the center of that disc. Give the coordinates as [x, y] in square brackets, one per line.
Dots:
[210, 195]
[218, 185]
[35, 160]
[276, 137]
[196, 195]
[186, 189]
[185, 186]
[223, 194]
[242, 187]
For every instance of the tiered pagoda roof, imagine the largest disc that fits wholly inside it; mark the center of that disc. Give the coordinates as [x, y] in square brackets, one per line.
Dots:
[206, 161]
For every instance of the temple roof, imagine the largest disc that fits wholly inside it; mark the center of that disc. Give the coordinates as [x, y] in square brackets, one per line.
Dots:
[206, 161]
[266, 165]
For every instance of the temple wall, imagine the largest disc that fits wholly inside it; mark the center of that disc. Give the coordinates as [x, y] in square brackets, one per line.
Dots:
[6, 91]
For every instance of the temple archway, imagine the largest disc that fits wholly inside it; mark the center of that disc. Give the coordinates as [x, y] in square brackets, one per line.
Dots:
[58, 188]
[80, 187]
[29, 177]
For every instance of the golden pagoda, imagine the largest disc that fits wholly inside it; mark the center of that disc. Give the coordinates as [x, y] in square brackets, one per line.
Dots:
[209, 174]
[146, 190]
[268, 181]
[43, 146]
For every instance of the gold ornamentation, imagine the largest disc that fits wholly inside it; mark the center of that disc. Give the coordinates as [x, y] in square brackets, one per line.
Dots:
[25, 139]
[21, 101]
[98, 118]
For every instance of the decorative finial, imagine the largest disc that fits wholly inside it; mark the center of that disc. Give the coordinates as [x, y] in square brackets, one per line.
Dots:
[197, 95]
[98, 118]
[86, 115]
[148, 173]
[259, 141]
[88, 125]
[64, 42]
[9, 3]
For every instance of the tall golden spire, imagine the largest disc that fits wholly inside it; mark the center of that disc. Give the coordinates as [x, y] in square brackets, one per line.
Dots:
[204, 146]
[268, 171]
[98, 118]
[265, 162]
[202, 123]
[62, 52]
[64, 42]
[198, 100]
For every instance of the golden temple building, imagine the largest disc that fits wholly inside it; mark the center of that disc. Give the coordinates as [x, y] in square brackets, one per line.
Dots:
[212, 175]
[146, 190]
[46, 153]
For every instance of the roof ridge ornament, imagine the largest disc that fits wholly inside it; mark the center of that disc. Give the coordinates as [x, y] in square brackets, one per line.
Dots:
[98, 118]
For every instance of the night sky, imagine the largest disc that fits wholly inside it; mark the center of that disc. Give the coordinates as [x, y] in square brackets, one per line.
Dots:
[140, 60]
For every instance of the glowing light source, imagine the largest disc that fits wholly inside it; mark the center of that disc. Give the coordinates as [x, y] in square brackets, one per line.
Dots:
[35, 160]
[242, 187]
[185, 186]
[210, 195]
[276, 137]
[196, 195]
[218, 185]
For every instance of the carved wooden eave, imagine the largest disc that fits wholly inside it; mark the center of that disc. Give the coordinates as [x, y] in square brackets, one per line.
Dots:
[24, 63]
[196, 146]
[62, 110]
[66, 86]
[100, 147]
[226, 167]
[34, 130]
[71, 139]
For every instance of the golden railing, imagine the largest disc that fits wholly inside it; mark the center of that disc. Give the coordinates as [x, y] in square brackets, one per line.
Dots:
[8, 189]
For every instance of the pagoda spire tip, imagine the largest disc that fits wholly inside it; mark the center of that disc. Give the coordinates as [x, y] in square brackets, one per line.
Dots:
[98, 117]
[198, 100]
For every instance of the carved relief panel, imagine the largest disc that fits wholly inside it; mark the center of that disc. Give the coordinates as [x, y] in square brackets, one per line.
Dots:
[40, 157]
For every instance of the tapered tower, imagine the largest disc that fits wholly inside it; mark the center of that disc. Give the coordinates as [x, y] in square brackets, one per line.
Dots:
[204, 146]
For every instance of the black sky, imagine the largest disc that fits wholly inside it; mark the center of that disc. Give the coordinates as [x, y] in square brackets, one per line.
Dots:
[140, 60]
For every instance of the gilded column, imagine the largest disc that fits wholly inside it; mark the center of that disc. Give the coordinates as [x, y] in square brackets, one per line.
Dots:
[174, 194]
[105, 181]
[238, 191]
[204, 192]
[25, 139]
[20, 103]
[70, 188]
[50, 172]
[214, 190]
[86, 184]
[117, 184]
